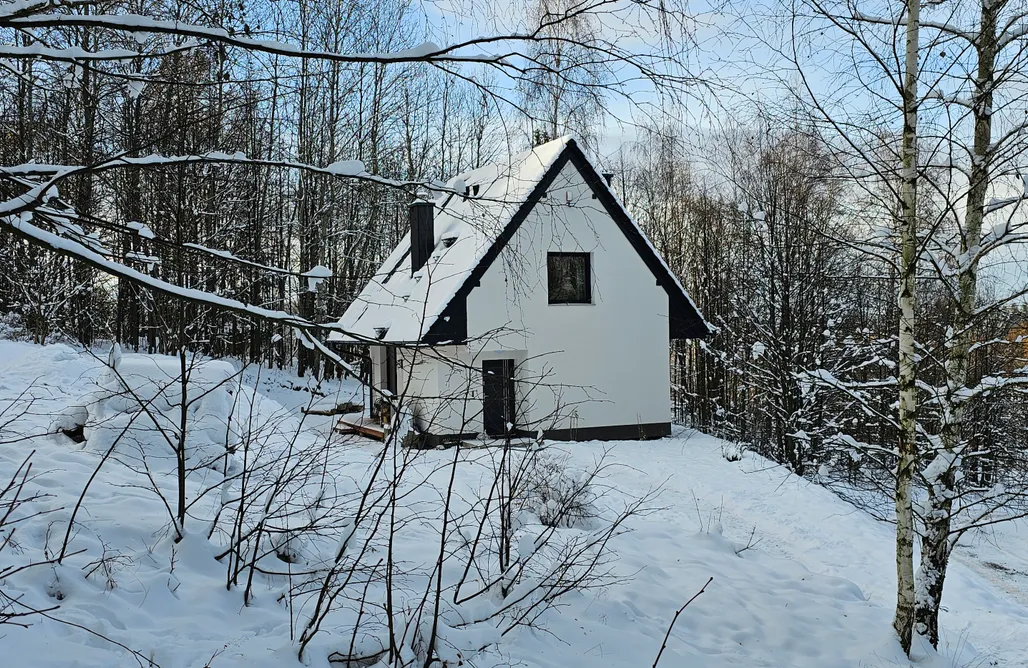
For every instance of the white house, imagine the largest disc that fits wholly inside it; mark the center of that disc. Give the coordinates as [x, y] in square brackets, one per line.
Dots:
[532, 301]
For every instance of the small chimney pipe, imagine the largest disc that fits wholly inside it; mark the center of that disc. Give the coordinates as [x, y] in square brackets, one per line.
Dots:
[422, 233]
[609, 178]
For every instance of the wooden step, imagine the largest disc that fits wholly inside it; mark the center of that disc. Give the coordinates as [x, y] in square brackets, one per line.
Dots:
[360, 424]
[345, 408]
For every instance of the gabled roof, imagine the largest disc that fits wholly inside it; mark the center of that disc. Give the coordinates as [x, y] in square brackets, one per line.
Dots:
[470, 233]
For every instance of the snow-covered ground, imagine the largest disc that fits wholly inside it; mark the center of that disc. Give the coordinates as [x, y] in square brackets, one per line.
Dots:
[800, 578]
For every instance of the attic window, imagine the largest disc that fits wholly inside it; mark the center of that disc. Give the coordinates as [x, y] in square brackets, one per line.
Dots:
[380, 332]
[569, 276]
[474, 190]
[449, 241]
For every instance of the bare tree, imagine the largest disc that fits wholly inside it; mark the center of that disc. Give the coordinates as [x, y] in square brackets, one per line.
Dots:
[563, 86]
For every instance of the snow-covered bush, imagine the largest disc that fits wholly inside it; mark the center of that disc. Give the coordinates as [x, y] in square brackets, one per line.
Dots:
[12, 327]
[139, 403]
[538, 530]
[732, 452]
[29, 326]
[558, 495]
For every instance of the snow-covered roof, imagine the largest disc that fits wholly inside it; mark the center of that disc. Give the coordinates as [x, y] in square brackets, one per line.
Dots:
[399, 307]
[406, 305]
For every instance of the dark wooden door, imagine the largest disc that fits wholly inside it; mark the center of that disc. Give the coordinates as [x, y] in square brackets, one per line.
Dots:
[497, 396]
[390, 371]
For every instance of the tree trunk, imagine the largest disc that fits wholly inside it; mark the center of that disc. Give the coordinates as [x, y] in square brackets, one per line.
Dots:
[903, 622]
[82, 275]
[935, 542]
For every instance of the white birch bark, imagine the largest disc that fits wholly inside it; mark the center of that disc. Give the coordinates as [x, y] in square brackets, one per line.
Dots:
[903, 622]
[941, 483]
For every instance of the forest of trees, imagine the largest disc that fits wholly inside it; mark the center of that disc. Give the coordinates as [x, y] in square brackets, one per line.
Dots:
[178, 221]
[205, 162]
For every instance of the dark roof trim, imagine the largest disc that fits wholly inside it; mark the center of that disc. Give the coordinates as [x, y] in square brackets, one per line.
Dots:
[437, 331]
[399, 264]
[685, 320]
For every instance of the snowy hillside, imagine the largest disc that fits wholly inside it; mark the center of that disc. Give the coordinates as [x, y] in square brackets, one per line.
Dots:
[800, 578]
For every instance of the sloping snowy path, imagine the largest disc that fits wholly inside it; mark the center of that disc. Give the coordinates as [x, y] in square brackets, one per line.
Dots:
[796, 519]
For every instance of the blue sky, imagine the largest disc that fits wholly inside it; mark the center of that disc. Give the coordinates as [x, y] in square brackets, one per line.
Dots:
[742, 52]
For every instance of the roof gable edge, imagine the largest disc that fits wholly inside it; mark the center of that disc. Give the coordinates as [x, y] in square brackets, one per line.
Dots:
[512, 226]
[688, 323]
[686, 320]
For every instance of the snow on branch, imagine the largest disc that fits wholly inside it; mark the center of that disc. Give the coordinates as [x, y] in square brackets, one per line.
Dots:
[77, 54]
[37, 193]
[70, 53]
[1011, 36]
[997, 203]
[425, 52]
[22, 226]
[950, 99]
[504, 50]
[344, 168]
[230, 257]
[67, 224]
[989, 385]
[315, 276]
[948, 28]
[18, 8]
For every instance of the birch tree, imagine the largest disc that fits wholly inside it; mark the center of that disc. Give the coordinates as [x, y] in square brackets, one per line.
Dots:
[904, 619]
[960, 73]
[980, 83]
[880, 61]
[563, 89]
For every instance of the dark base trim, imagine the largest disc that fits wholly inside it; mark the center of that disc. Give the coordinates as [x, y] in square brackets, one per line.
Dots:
[426, 441]
[618, 432]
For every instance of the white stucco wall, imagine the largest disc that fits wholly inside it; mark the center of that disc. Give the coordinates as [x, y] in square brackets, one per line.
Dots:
[417, 380]
[578, 365]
